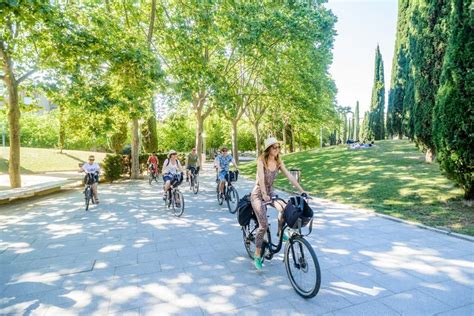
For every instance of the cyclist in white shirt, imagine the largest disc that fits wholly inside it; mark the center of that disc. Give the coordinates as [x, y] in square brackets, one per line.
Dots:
[171, 168]
[91, 167]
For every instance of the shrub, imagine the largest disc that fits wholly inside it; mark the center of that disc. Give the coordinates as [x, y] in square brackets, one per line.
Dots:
[113, 167]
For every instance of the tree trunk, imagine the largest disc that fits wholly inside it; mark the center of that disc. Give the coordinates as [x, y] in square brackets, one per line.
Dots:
[430, 156]
[151, 137]
[400, 135]
[292, 139]
[285, 124]
[13, 118]
[299, 141]
[235, 145]
[62, 128]
[199, 131]
[257, 138]
[135, 174]
[14, 126]
[321, 137]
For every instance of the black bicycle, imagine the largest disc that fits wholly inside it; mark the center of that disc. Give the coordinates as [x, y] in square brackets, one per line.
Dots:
[194, 179]
[152, 174]
[174, 197]
[90, 179]
[301, 263]
[230, 194]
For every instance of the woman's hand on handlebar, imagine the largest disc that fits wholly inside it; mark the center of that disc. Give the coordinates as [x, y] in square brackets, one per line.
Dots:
[266, 197]
[305, 195]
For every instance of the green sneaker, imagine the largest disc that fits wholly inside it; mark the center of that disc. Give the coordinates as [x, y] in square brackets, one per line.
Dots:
[258, 262]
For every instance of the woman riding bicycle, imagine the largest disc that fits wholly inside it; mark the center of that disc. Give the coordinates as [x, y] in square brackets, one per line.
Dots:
[171, 168]
[268, 166]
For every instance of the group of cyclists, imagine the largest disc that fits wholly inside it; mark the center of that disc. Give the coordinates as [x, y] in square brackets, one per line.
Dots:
[269, 165]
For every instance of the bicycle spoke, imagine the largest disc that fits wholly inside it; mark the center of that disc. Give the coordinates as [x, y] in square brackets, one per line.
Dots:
[302, 267]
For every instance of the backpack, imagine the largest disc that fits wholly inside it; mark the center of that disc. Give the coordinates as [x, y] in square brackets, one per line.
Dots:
[245, 211]
[297, 212]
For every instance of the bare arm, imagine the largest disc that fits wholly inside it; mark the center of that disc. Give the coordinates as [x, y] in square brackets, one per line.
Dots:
[164, 166]
[290, 177]
[261, 179]
[235, 164]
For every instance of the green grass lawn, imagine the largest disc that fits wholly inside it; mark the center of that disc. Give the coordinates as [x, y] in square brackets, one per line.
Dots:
[39, 160]
[391, 178]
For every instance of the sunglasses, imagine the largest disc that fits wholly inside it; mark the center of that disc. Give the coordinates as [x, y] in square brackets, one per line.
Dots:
[91, 159]
[276, 147]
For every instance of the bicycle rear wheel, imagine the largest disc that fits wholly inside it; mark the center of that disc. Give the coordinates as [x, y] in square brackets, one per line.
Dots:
[178, 203]
[302, 267]
[195, 184]
[232, 200]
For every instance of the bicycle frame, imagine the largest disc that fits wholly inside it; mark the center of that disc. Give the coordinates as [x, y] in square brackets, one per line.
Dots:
[276, 248]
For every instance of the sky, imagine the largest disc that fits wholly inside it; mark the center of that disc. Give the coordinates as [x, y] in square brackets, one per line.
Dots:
[360, 27]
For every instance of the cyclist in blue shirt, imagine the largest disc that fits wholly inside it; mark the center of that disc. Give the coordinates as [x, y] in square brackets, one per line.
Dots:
[223, 163]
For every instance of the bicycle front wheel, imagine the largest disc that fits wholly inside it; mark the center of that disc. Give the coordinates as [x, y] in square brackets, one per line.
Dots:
[220, 198]
[232, 200]
[302, 267]
[178, 204]
[87, 195]
[248, 233]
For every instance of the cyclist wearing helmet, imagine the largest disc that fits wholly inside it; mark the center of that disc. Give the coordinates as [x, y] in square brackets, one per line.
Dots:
[171, 168]
[268, 166]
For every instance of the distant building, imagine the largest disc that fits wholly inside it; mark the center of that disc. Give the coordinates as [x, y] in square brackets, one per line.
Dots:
[40, 101]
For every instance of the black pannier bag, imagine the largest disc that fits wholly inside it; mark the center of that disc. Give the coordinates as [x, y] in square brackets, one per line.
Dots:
[245, 211]
[297, 210]
[232, 176]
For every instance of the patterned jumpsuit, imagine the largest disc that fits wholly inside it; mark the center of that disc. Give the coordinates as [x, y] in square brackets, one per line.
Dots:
[258, 205]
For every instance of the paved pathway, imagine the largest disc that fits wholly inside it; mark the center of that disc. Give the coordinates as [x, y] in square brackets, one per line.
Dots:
[130, 256]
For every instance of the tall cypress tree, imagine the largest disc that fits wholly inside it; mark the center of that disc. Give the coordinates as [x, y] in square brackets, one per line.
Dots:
[397, 114]
[364, 131]
[397, 95]
[429, 28]
[376, 117]
[389, 120]
[453, 126]
[356, 122]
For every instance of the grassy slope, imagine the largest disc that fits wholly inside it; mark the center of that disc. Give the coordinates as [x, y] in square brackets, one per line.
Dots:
[37, 160]
[391, 178]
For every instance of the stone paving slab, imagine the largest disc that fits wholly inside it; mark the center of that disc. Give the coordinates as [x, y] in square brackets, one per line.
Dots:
[131, 256]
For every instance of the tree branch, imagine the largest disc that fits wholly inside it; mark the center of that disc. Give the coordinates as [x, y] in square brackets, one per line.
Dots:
[152, 20]
[26, 75]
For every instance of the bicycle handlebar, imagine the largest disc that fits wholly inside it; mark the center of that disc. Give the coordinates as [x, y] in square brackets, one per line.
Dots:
[275, 197]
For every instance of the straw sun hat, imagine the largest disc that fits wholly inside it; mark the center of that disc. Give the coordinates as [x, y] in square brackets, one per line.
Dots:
[271, 141]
